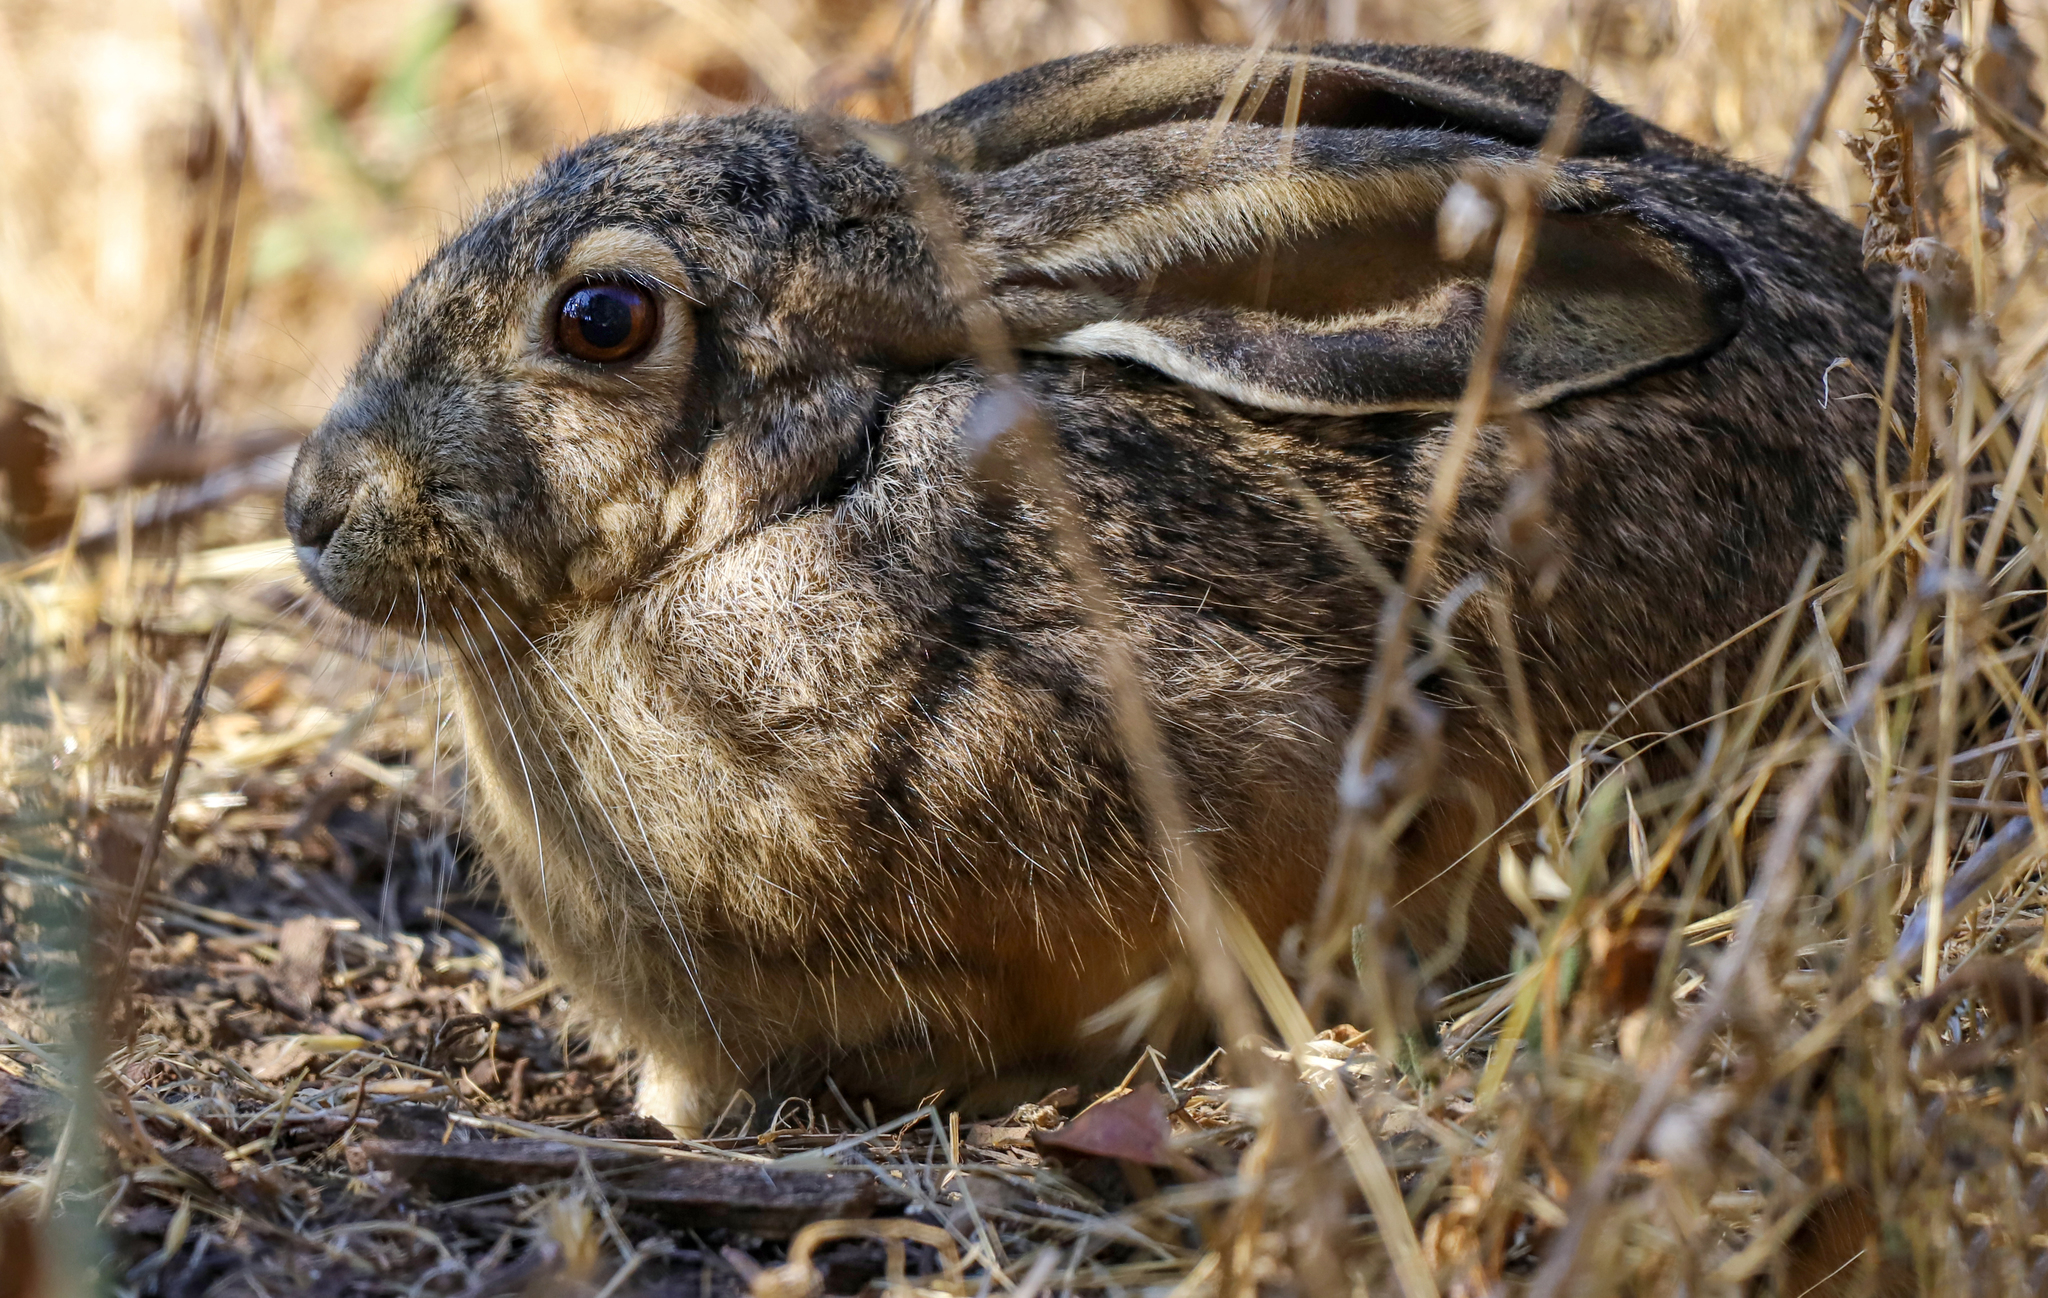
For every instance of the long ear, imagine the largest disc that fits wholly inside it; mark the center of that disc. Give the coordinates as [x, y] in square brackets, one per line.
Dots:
[1107, 92]
[1300, 270]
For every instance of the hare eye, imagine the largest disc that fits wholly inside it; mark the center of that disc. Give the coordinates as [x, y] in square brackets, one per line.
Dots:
[605, 323]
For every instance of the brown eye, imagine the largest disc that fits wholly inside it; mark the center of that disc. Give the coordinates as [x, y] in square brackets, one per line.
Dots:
[605, 322]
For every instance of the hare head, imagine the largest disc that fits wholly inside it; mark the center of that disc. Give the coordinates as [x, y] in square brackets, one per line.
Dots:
[790, 744]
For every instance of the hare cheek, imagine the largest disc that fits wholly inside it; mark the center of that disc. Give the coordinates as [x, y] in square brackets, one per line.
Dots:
[622, 537]
[608, 485]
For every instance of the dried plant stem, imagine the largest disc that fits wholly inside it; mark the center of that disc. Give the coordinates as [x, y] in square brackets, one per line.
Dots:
[1816, 114]
[1218, 959]
[1512, 254]
[167, 796]
[1364, 839]
[1513, 250]
[1032, 448]
[1522, 708]
[1361, 1154]
[1769, 896]
[1948, 696]
[1973, 165]
[1917, 35]
[1231, 961]
[60, 1157]
[1233, 967]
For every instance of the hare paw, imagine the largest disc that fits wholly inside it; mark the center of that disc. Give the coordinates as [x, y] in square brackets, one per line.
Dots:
[685, 1097]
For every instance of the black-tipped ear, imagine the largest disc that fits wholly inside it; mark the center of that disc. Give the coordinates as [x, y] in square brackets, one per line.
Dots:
[1091, 96]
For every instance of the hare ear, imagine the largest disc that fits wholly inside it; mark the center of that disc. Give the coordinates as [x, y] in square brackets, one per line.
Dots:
[1301, 271]
[1107, 92]
[1367, 314]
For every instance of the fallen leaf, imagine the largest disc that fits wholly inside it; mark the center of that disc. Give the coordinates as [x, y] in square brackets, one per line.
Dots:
[263, 690]
[33, 505]
[631, 1126]
[278, 1058]
[256, 1189]
[1131, 1127]
[22, 1104]
[1626, 965]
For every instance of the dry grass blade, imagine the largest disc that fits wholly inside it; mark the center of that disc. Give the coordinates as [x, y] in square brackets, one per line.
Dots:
[1733, 975]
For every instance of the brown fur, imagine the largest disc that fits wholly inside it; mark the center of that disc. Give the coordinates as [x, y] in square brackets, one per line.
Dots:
[787, 739]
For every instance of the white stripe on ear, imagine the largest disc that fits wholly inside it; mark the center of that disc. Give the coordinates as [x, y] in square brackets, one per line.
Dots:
[1128, 340]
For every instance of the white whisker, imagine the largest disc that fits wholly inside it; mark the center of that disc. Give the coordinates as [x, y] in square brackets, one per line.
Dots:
[685, 950]
[512, 736]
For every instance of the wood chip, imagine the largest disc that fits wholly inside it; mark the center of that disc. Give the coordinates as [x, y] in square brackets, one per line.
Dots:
[694, 1195]
[301, 957]
[983, 1136]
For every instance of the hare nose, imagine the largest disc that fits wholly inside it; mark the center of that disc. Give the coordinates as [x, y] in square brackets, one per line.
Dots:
[312, 516]
[311, 529]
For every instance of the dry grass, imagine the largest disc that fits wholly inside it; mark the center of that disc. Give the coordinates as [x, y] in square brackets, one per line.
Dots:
[1718, 1069]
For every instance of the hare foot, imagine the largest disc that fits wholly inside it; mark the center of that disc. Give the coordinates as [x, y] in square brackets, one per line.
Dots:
[686, 1096]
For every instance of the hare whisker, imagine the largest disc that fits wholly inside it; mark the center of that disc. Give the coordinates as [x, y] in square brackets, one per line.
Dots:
[511, 734]
[676, 289]
[369, 659]
[568, 803]
[385, 889]
[685, 949]
[440, 700]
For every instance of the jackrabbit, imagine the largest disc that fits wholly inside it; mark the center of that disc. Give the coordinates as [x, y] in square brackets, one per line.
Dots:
[788, 738]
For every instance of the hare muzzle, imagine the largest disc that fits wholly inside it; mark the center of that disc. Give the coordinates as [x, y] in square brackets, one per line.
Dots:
[502, 445]
[403, 503]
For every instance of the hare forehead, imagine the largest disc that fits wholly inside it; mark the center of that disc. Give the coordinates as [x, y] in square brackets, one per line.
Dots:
[719, 191]
[479, 304]
[621, 247]
[449, 316]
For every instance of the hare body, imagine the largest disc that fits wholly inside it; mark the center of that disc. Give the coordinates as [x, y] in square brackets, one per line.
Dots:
[791, 746]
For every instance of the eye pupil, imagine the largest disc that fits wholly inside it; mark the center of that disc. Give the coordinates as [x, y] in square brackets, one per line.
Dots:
[601, 317]
[605, 322]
